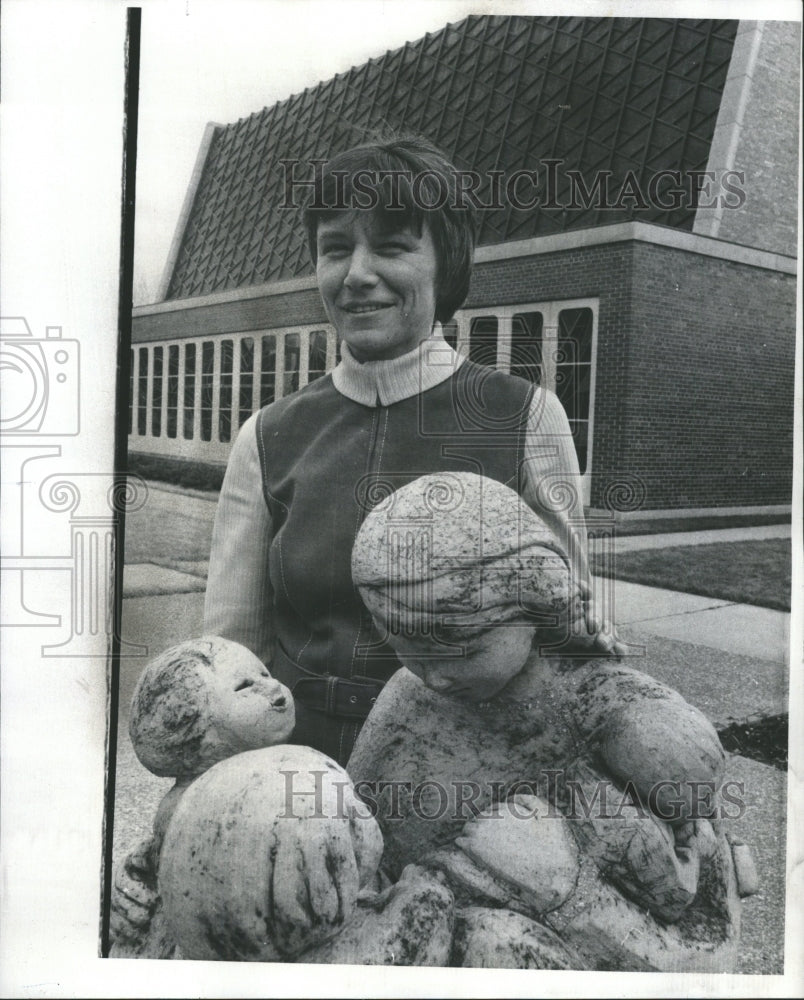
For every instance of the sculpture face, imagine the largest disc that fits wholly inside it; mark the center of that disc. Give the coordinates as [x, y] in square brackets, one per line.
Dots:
[202, 701]
[247, 707]
[489, 661]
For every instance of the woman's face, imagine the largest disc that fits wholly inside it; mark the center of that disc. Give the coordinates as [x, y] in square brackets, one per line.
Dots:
[378, 287]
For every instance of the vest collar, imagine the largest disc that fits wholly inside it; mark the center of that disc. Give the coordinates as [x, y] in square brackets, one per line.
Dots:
[387, 382]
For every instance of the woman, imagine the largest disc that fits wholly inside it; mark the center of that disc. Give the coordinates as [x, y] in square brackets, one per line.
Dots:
[392, 244]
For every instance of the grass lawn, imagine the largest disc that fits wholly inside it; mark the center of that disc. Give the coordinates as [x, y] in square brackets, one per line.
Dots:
[755, 572]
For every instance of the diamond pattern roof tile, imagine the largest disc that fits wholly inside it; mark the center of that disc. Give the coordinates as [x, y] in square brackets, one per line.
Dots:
[496, 92]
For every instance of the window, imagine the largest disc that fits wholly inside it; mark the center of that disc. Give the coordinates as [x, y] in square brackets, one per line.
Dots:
[142, 401]
[450, 332]
[268, 370]
[574, 374]
[225, 391]
[551, 344]
[207, 388]
[156, 406]
[172, 390]
[526, 346]
[189, 390]
[130, 391]
[245, 404]
[292, 351]
[483, 340]
[318, 355]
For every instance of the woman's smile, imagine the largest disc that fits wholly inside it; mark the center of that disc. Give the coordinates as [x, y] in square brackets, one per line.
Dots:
[378, 286]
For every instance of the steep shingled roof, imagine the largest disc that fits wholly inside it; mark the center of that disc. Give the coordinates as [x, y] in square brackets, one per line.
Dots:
[495, 93]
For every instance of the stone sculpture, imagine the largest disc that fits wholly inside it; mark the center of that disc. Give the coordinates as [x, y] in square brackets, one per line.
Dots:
[260, 851]
[196, 704]
[461, 576]
[504, 806]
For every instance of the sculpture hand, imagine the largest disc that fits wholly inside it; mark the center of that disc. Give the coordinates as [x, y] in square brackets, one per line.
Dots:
[134, 894]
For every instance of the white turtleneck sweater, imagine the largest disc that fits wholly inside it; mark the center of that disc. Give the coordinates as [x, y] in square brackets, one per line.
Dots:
[238, 600]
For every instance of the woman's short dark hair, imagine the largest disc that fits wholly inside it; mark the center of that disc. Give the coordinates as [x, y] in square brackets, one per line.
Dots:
[403, 181]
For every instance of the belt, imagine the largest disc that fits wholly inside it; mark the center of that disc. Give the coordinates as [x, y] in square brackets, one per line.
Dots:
[342, 697]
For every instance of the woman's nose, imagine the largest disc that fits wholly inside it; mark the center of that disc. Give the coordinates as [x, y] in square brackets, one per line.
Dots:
[361, 269]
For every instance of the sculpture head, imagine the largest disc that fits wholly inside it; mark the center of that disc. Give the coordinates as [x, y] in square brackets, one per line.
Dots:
[202, 701]
[458, 572]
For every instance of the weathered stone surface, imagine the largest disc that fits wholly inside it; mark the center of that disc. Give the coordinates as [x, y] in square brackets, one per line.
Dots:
[138, 928]
[470, 882]
[202, 701]
[264, 856]
[199, 702]
[430, 762]
[537, 731]
[410, 923]
[503, 939]
[424, 552]
[611, 932]
[647, 735]
[525, 843]
[269, 857]
[632, 847]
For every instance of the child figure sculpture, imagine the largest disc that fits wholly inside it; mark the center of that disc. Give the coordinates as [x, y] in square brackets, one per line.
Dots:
[196, 704]
[260, 851]
[617, 847]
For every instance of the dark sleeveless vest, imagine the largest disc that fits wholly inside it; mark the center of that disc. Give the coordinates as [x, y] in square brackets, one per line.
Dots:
[326, 461]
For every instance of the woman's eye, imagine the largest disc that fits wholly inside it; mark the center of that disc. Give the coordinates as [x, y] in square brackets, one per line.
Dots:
[393, 246]
[333, 250]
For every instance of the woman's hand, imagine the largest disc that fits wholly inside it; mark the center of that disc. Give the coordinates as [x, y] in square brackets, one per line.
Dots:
[600, 632]
[584, 633]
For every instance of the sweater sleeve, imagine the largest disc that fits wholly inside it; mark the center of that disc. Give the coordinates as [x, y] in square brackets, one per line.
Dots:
[238, 598]
[552, 479]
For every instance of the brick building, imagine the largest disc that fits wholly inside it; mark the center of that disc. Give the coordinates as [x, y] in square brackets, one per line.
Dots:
[659, 304]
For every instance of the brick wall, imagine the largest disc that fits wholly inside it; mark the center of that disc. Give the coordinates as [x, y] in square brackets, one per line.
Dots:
[708, 407]
[694, 368]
